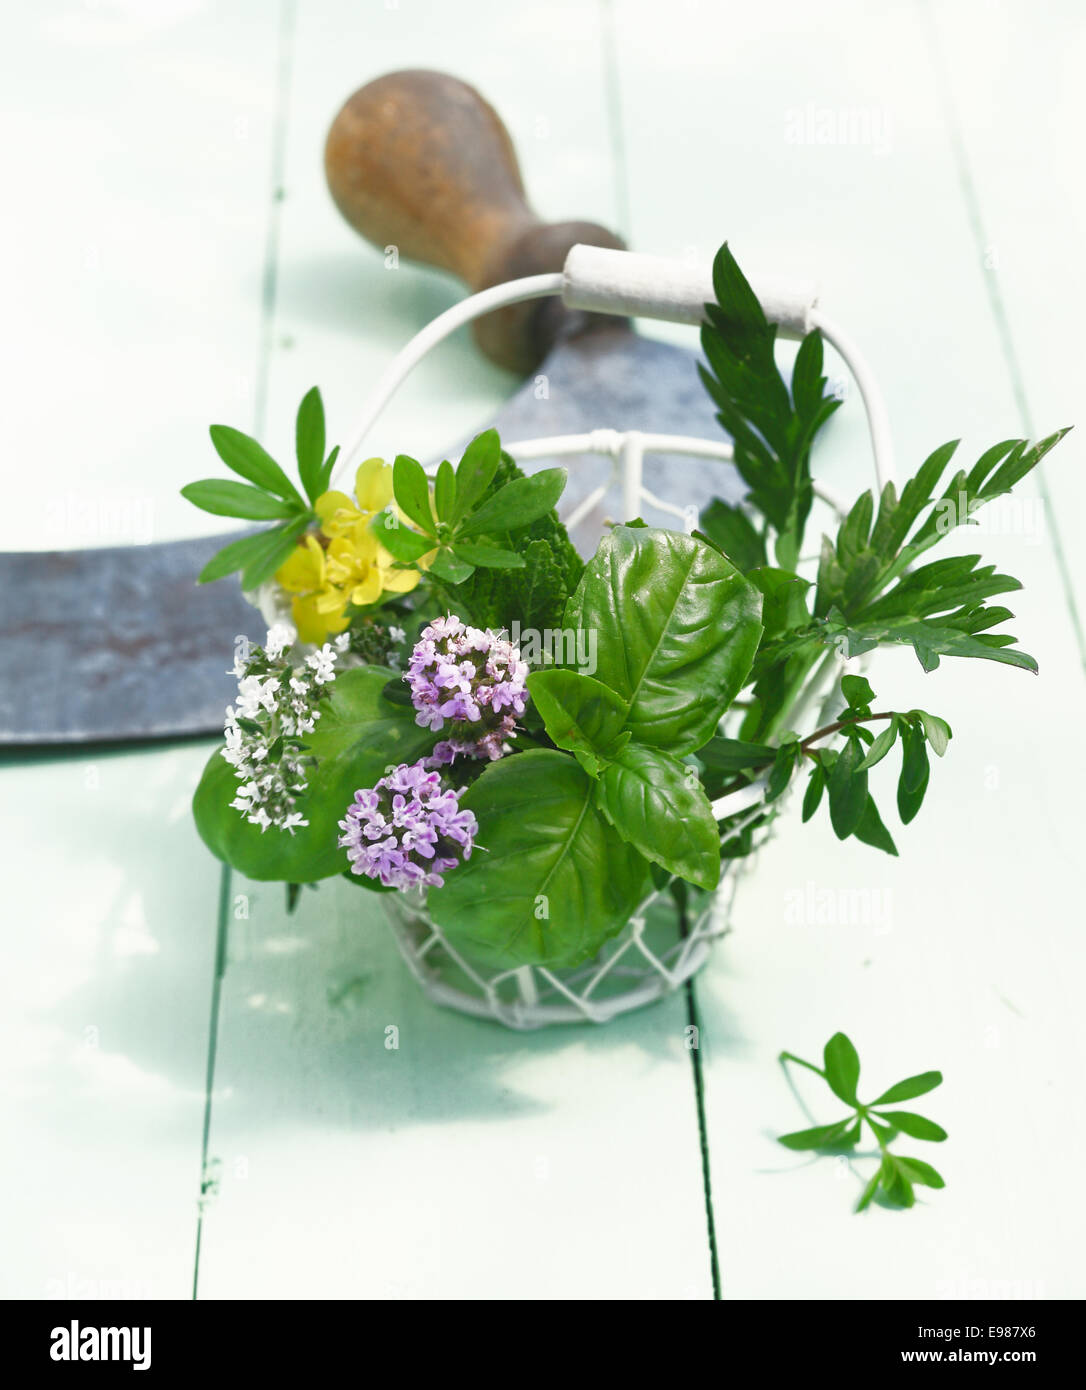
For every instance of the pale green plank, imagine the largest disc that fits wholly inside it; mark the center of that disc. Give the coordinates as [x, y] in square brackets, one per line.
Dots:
[1013, 96]
[136, 158]
[472, 1162]
[110, 906]
[983, 899]
[136, 164]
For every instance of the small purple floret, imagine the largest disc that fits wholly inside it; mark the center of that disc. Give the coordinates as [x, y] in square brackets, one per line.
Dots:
[408, 830]
[469, 684]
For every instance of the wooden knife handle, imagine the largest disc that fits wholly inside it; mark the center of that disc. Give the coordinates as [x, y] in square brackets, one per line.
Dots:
[418, 160]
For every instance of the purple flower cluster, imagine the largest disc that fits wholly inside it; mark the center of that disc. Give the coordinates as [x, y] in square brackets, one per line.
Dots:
[471, 680]
[408, 829]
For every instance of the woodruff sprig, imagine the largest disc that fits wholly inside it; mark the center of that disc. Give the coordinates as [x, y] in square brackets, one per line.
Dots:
[896, 1175]
[842, 772]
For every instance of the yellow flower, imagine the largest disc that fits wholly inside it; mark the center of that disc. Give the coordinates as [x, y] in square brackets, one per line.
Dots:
[317, 607]
[373, 492]
[351, 565]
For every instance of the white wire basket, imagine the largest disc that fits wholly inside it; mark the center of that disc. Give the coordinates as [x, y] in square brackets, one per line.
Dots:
[659, 949]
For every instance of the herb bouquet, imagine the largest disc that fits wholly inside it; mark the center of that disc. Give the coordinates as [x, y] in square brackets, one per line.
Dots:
[550, 767]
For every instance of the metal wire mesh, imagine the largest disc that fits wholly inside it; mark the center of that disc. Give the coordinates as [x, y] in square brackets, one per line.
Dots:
[652, 956]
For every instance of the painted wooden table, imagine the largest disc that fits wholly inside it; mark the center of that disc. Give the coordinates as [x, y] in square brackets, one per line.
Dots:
[197, 1090]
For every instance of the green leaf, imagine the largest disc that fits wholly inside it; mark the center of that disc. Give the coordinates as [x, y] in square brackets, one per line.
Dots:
[657, 804]
[882, 745]
[474, 473]
[733, 532]
[869, 1190]
[518, 503]
[223, 498]
[784, 600]
[401, 542]
[857, 692]
[326, 471]
[871, 830]
[309, 442]
[812, 797]
[445, 491]
[360, 735]
[821, 1137]
[677, 626]
[848, 790]
[919, 1171]
[895, 1184]
[550, 881]
[580, 714]
[733, 755]
[883, 1133]
[412, 490]
[771, 433]
[911, 1087]
[233, 557]
[784, 764]
[915, 1126]
[936, 730]
[489, 556]
[244, 456]
[842, 1067]
[449, 567]
[915, 771]
[276, 550]
[533, 597]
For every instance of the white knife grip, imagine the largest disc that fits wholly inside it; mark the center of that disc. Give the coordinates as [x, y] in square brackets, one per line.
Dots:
[632, 285]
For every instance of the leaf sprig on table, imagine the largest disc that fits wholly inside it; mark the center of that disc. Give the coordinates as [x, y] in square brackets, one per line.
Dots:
[896, 1175]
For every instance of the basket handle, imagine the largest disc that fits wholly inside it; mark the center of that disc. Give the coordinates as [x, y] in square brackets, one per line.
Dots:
[607, 281]
[419, 161]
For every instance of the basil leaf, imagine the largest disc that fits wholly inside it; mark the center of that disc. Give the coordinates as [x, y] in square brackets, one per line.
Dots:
[518, 503]
[224, 498]
[579, 714]
[550, 881]
[678, 627]
[656, 803]
[309, 442]
[244, 456]
[412, 489]
[842, 1067]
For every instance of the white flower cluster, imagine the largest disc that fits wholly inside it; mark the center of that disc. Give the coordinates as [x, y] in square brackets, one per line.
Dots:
[275, 708]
